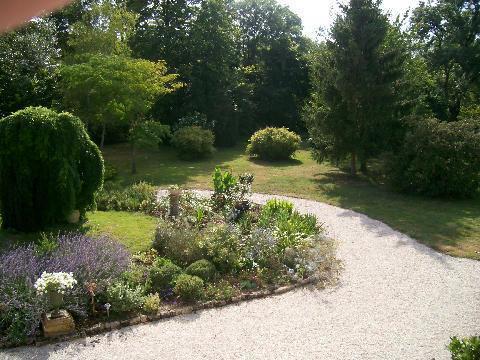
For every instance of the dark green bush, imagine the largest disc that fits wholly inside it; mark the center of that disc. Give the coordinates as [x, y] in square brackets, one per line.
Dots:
[438, 159]
[189, 288]
[193, 142]
[178, 241]
[204, 269]
[48, 168]
[273, 144]
[466, 349]
[163, 275]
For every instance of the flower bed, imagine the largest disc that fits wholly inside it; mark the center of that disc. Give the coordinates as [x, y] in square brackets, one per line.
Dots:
[215, 251]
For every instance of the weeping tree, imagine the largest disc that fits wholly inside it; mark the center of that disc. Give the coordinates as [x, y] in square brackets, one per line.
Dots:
[49, 167]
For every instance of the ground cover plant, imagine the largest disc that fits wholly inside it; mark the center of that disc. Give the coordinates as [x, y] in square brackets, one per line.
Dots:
[217, 248]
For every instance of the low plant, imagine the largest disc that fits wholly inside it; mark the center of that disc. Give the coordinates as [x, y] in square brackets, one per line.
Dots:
[204, 269]
[179, 241]
[124, 298]
[163, 275]
[222, 245]
[152, 303]
[231, 193]
[58, 282]
[465, 349]
[193, 142]
[189, 288]
[273, 144]
[221, 291]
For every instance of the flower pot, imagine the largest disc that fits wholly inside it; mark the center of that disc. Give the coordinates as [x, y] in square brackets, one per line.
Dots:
[55, 299]
[74, 217]
[174, 198]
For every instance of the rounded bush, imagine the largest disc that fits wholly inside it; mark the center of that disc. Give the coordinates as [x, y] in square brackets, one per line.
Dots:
[439, 159]
[48, 168]
[162, 275]
[189, 288]
[273, 144]
[204, 269]
[193, 142]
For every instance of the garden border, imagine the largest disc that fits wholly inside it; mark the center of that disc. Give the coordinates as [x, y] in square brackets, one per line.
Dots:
[104, 327]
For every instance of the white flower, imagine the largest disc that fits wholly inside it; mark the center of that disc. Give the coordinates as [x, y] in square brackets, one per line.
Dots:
[59, 282]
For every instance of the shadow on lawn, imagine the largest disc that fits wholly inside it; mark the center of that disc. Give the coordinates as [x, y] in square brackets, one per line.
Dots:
[450, 226]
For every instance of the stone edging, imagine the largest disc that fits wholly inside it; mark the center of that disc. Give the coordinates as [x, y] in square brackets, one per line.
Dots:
[104, 327]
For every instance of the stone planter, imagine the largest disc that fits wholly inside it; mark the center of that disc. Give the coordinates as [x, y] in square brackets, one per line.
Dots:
[57, 325]
[174, 197]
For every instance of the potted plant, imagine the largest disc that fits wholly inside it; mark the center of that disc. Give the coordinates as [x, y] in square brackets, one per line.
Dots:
[174, 195]
[54, 286]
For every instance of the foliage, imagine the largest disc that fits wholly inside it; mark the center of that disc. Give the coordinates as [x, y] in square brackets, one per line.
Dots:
[179, 241]
[54, 169]
[28, 59]
[112, 89]
[230, 193]
[221, 291]
[446, 32]
[152, 303]
[465, 349]
[124, 298]
[350, 111]
[194, 119]
[212, 73]
[163, 275]
[439, 159]
[193, 142]
[140, 197]
[204, 269]
[189, 288]
[273, 144]
[222, 246]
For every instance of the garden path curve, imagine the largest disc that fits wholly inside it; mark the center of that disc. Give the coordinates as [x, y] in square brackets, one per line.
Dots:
[397, 299]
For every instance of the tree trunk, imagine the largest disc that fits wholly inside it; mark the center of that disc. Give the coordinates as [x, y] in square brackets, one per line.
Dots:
[353, 164]
[363, 166]
[102, 140]
[133, 158]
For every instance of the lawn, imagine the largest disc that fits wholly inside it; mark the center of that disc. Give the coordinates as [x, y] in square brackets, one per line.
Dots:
[134, 230]
[452, 227]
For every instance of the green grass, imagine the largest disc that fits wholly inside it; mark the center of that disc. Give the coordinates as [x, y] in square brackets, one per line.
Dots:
[134, 230]
[452, 227]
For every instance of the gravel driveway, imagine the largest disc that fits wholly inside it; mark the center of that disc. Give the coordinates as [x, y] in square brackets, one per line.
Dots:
[397, 299]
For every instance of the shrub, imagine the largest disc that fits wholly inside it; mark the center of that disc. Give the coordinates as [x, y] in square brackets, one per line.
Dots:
[124, 298]
[222, 244]
[189, 288]
[439, 159]
[152, 303]
[230, 191]
[222, 291]
[179, 241]
[163, 275]
[273, 144]
[204, 269]
[193, 142]
[466, 349]
[140, 197]
[48, 168]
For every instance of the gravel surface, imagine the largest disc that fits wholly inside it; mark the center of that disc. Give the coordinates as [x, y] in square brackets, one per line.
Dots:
[397, 299]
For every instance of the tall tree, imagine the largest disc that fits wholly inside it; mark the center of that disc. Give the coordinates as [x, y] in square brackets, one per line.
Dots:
[448, 32]
[273, 59]
[28, 59]
[354, 114]
[213, 72]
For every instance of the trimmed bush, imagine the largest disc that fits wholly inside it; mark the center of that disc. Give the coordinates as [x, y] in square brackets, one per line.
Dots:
[48, 168]
[124, 298]
[204, 269]
[439, 159]
[273, 144]
[189, 288]
[152, 303]
[162, 275]
[193, 142]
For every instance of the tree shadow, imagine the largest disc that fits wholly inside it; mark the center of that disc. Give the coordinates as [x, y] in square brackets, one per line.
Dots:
[450, 226]
[277, 164]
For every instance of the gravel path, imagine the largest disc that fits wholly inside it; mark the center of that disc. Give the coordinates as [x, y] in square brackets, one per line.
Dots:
[397, 299]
